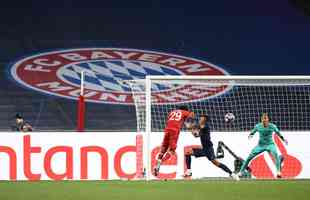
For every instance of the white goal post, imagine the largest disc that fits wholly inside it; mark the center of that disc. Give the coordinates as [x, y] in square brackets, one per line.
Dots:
[286, 98]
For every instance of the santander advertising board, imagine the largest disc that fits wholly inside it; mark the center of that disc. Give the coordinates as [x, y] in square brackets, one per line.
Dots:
[76, 156]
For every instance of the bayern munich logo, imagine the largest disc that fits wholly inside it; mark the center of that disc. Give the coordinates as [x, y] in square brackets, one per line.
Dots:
[58, 73]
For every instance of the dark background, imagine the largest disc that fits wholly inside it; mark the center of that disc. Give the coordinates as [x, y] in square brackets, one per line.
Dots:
[259, 37]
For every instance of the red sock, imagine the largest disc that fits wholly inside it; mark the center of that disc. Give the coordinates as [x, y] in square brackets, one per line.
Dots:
[166, 156]
[160, 156]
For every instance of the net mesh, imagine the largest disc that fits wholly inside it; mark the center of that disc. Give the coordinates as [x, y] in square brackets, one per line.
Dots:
[286, 101]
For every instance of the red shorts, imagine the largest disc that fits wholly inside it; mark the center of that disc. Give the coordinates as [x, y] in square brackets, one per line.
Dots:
[170, 139]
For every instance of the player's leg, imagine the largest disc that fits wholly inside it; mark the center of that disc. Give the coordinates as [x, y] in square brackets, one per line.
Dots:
[168, 154]
[169, 146]
[163, 150]
[173, 140]
[188, 162]
[211, 157]
[209, 152]
[197, 152]
[164, 145]
[188, 158]
[225, 169]
[222, 166]
[272, 149]
[257, 150]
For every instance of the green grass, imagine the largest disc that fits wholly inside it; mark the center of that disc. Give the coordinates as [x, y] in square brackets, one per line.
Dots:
[157, 190]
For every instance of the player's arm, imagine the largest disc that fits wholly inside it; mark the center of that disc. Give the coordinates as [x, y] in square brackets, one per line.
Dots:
[189, 123]
[277, 131]
[192, 127]
[189, 119]
[195, 130]
[191, 115]
[253, 131]
[29, 127]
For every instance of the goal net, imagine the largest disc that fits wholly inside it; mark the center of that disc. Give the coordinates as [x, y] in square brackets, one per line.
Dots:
[285, 98]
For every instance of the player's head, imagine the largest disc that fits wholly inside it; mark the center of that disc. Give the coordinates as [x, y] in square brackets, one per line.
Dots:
[19, 119]
[265, 118]
[183, 107]
[203, 119]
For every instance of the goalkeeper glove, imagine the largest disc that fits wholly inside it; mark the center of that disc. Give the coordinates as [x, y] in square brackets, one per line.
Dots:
[284, 140]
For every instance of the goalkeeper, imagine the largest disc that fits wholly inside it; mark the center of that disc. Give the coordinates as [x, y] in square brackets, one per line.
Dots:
[265, 143]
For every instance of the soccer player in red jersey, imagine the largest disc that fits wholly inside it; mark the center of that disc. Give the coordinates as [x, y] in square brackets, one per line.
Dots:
[174, 124]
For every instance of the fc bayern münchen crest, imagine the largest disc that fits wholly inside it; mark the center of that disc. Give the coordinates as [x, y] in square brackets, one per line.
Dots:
[58, 73]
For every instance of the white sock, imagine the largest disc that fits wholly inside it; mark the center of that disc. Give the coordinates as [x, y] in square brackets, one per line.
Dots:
[158, 163]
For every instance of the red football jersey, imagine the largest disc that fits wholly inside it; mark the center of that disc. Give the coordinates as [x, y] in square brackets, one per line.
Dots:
[176, 119]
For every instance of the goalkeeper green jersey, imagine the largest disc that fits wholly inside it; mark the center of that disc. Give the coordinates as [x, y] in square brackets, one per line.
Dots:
[265, 133]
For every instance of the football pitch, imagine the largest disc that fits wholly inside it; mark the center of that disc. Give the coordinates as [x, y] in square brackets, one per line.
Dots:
[157, 190]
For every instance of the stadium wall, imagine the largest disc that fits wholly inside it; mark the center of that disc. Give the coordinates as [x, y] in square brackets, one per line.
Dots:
[119, 155]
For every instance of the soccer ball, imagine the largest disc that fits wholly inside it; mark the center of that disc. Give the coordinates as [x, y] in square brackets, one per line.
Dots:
[229, 117]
